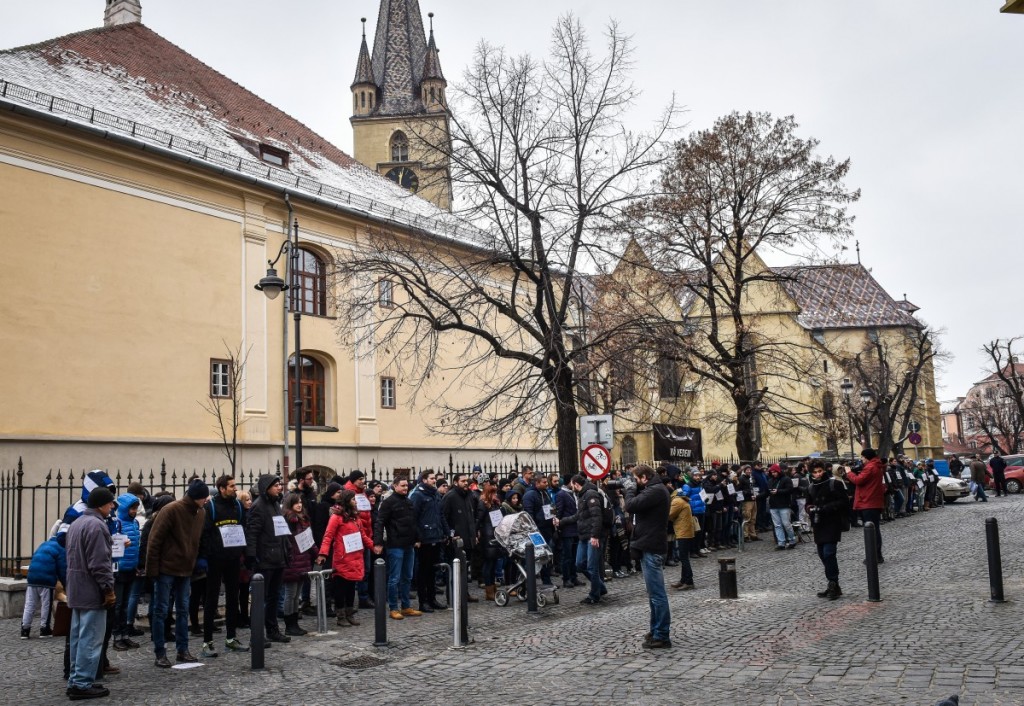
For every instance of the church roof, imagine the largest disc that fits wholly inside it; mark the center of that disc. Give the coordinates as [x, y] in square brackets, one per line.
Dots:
[399, 52]
[841, 296]
[364, 67]
[129, 80]
[432, 64]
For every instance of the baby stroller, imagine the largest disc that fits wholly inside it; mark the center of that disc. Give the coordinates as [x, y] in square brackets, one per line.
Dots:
[513, 534]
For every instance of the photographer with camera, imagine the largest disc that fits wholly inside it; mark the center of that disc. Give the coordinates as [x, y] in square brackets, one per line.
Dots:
[649, 504]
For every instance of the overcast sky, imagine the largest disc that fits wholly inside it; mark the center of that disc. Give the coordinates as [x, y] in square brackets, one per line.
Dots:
[924, 96]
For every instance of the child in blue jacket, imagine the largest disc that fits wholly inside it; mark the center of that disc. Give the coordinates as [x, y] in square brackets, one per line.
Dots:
[48, 566]
[127, 583]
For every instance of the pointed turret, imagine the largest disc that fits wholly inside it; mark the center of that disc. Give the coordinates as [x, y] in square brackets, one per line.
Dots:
[399, 48]
[122, 12]
[364, 88]
[433, 84]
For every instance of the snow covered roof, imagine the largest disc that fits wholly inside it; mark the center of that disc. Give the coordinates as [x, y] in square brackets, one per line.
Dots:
[128, 79]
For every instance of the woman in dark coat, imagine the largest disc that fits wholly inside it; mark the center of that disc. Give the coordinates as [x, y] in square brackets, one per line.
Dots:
[828, 506]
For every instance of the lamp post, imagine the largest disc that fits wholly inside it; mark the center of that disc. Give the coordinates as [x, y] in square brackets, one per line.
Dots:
[272, 285]
[847, 387]
[865, 398]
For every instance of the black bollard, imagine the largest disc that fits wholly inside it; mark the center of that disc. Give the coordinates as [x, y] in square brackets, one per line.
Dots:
[462, 576]
[995, 561]
[727, 586]
[380, 597]
[871, 561]
[531, 578]
[257, 622]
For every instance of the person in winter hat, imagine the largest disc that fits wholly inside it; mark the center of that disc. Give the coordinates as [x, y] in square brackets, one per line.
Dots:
[268, 548]
[48, 566]
[127, 582]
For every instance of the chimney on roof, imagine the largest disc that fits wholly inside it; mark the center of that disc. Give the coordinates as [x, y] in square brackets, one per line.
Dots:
[122, 12]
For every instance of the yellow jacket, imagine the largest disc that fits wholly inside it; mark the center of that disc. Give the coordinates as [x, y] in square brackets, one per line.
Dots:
[681, 517]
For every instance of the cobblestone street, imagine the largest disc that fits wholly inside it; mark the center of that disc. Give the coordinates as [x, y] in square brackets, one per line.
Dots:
[933, 635]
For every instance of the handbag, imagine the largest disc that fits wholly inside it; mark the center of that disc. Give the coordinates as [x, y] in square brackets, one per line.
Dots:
[61, 620]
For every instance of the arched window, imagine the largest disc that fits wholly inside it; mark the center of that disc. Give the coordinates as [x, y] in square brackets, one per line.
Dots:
[362, 98]
[628, 450]
[309, 285]
[399, 147]
[312, 391]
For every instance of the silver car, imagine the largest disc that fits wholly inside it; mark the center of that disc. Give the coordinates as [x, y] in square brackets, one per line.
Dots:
[953, 488]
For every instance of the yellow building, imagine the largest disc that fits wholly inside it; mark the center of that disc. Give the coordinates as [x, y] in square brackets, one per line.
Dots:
[824, 315]
[145, 194]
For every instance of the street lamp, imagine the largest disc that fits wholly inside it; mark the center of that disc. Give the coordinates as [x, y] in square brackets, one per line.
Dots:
[847, 387]
[272, 286]
[865, 399]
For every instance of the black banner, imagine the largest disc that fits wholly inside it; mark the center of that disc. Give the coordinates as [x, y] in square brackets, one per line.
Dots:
[677, 444]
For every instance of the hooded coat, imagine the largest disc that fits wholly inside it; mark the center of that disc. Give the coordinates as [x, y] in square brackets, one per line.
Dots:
[347, 565]
[300, 563]
[870, 493]
[130, 528]
[426, 503]
[262, 542]
[49, 563]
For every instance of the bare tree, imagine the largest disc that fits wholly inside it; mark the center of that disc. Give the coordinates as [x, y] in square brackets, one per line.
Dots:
[745, 188]
[225, 402]
[998, 412]
[541, 160]
[894, 367]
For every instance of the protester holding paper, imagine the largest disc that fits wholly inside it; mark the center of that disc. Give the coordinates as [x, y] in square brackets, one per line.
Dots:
[344, 541]
[300, 562]
[268, 544]
[433, 533]
[223, 547]
[172, 553]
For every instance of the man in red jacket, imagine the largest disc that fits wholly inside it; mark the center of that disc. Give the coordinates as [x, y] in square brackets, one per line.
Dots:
[869, 495]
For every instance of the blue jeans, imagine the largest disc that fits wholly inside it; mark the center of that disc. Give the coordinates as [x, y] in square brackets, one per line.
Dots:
[163, 587]
[401, 562]
[654, 580]
[783, 526]
[581, 559]
[138, 585]
[594, 556]
[827, 554]
[87, 630]
[569, 558]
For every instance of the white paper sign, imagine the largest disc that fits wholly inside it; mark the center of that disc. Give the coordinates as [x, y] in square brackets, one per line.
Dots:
[362, 503]
[281, 526]
[118, 545]
[731, 488]
[754, 492]
[304, 540]
[232, 535]
[547, 511]
[920, 484]
[740, 497]
[704, 496]
[796, 482]
[187, 665]
[719, 496]
[495, 517]
[353, 542]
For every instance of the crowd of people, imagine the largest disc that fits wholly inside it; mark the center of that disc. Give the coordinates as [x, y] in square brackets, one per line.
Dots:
[102, 560]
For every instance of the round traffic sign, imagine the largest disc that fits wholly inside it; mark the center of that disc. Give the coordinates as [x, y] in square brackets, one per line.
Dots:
[914, 426]
[596, 461]
[914, 439]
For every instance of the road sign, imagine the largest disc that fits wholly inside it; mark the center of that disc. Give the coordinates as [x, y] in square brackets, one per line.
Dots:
[914, 427]
[596, 461]
[914, 438]
[596, 429]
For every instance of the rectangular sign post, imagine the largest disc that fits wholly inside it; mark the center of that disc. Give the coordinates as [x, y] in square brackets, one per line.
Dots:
[596, 429]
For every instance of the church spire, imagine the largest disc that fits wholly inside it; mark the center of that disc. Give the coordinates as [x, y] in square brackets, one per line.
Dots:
[122, 12]
[432, 62]
[399, 50]
[364, 69]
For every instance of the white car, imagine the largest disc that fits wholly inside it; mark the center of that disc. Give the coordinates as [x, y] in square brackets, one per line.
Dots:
[953, 488]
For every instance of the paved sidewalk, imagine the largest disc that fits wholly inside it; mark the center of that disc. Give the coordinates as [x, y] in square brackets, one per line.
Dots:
[934, 634]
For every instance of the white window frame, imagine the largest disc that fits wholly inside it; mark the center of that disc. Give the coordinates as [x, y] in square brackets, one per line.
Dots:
[388, 393]
[220, 378]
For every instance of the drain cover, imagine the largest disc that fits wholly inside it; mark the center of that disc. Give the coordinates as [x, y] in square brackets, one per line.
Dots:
[364, 662]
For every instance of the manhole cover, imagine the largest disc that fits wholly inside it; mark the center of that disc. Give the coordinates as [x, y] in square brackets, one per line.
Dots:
[364, 662]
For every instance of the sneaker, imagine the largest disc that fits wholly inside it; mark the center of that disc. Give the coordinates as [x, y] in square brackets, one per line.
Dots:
[26, 633]
[45, 632]
[652, 644]
[791, 546]
[620, 574]
[208, 651]
[411, 612]
[93, 692]
[233, 645]
[396, 615]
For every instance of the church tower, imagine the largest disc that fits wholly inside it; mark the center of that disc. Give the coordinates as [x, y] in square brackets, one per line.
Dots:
[399, 113]
[122, 12]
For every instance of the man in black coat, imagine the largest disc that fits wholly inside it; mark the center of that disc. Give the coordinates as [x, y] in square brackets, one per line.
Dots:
[268, 546]
[998, 465]
[649, 504]
[222, 548]
[397, 519]
[588, 521]
[828, 507]
[460, 518]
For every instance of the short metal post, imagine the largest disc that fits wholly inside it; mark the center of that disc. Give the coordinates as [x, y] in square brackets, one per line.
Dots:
[871, 561]
[727, 585]
[741, 532]
[319, 580]
[531, 578]
[380, 597]
[256, 620]
[995, 561]
[457, 604]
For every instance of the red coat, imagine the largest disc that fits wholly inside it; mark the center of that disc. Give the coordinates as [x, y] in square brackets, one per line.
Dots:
[870, 492]
[349, 565]
[365, 516]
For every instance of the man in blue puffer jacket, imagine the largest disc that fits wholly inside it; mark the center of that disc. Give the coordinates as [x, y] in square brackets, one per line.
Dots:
[697, 507]
[126, 577]
[48, 566]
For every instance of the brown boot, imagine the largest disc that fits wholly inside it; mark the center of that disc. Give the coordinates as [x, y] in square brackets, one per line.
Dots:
[489, 592]
[350, 616]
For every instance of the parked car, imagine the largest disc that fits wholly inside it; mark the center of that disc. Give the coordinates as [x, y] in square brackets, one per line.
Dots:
[953, 489]
[1014, 479]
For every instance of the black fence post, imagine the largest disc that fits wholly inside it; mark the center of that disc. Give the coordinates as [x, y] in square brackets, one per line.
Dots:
[871, 561]
[463, 578]
[995, 561]
[257, 621]
[20, 488]
[531, 578]
[163, 474]
[380, 611]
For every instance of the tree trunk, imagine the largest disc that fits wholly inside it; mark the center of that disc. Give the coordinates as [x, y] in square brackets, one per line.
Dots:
[747, 446]
[565, 425]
